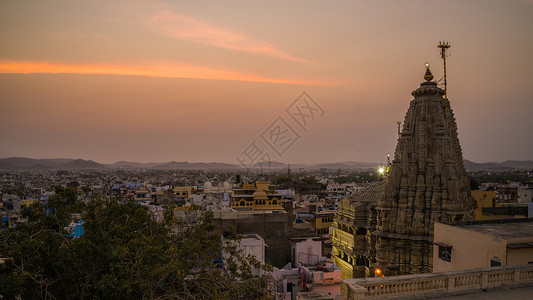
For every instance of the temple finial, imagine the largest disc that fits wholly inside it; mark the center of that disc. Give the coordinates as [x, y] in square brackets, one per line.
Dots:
[428, 76]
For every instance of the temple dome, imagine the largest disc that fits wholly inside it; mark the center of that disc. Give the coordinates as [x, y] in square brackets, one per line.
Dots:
[260, 195]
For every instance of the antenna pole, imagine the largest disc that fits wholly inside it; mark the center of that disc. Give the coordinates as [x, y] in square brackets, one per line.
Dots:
[443, 46]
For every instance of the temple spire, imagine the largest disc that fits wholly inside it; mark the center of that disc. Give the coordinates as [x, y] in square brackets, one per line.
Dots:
[428, 76]
[427, 183]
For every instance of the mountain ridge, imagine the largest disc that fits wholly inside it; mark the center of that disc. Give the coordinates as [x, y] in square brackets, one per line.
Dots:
[24, 163]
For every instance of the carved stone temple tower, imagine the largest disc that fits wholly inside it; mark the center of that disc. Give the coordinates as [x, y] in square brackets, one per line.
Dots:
[427, 183]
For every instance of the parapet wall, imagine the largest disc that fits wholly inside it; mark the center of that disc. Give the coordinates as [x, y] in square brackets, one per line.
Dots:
[442, 284]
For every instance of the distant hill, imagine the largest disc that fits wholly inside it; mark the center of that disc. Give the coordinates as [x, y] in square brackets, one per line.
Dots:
[271, 165]
[519, 164]
[344, 165]
[4, 165]
[494, 166]
[23, 163]
[39, 166]
[132, 164]
[82, 164]
[200, 165]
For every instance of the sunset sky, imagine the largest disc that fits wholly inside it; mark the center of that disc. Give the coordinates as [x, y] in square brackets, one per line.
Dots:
[201, 81]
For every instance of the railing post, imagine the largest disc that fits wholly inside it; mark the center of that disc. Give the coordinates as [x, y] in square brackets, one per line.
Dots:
[516, 276]
[484, 279]
[359, 292]
[451, 284]
[354, 292]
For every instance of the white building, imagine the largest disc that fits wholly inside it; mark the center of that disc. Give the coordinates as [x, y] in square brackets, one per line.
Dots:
[253, 244]
[311, 272]
[306, 250]
[525, 195]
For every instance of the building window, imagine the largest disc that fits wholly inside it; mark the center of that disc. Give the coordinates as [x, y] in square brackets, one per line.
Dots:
[494, 263]
[445, 253]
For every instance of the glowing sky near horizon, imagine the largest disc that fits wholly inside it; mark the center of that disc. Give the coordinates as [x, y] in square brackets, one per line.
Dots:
[200, 80]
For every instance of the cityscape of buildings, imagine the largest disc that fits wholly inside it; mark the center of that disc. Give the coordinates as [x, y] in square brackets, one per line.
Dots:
[318, 228]
[294, 150]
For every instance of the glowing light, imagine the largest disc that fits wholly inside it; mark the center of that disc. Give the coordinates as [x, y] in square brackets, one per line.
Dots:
[381, 170]
[378, 271]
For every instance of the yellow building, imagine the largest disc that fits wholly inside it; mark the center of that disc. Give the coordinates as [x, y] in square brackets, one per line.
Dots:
[255, 196]
[352, 238]
[183, 191]
[483, 199]
[182, 207]
[323, 221]
[27, 202]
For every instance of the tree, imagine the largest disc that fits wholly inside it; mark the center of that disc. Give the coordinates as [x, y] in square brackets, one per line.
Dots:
[124, 254]
[474, 185]
[282, 179]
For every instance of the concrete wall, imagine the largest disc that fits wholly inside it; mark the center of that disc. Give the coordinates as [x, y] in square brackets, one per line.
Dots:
[329, 282]
[521, 256]
[307, 252]
[473, 249]
[334, 291]
[470, 249]
[483, 199]
[274, 228]
[255, 247]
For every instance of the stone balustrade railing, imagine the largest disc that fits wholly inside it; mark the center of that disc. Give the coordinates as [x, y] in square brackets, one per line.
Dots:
[420, 285]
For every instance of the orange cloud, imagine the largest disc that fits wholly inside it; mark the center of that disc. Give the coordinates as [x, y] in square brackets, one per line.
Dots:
[166, 70]
[175, 25]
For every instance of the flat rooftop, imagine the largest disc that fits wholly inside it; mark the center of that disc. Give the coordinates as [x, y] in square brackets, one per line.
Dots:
[250, 236]
[506, 229]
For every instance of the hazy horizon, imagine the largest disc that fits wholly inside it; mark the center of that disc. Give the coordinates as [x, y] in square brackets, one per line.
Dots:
[383, 161]
[161, 81]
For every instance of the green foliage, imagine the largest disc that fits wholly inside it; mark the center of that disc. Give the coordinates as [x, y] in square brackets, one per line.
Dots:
[474, 185]
[309, 180]
[124, 254]
[522, 176]
[282, 179]
[359, 177]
